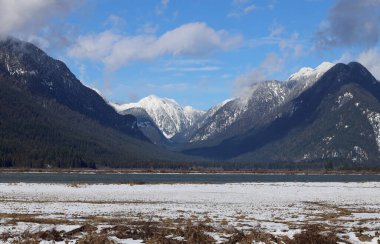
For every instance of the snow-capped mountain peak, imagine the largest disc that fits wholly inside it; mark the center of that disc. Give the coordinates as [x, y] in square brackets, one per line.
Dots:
[307, 73]
[307, 76]
[186, 123]
[168, 115]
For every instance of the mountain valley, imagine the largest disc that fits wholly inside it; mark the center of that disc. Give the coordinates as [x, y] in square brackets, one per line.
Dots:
[323, 117]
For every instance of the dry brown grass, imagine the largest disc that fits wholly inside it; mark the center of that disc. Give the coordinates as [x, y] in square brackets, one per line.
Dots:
[94, 238]
[168, 231]
[49, 235]
[27, 237]
[330, 212]
[5, 236]
[154, 232]
[75, 184]
[87, 228]
[315, 234]
[364, 237]
[256, 235]
[136, 182]
[14, 218]
[359, 232]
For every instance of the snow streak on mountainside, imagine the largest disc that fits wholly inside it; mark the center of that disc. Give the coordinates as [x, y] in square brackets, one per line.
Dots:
[263, 98]
[336, 121]
[168, 115]
[374, 119]
[185, 124]
[242, 113]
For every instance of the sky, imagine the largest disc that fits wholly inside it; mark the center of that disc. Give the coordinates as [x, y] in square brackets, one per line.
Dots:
[198, 52]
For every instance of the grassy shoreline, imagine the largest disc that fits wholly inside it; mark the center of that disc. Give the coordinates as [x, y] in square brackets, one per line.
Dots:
[191, 171]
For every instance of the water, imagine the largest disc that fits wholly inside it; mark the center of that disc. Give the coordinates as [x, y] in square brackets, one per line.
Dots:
[179, 178]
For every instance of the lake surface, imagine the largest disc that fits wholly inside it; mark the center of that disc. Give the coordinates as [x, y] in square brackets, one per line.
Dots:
[107, 178]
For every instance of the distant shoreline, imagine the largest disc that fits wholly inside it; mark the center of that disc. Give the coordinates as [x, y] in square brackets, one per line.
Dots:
[192, 171]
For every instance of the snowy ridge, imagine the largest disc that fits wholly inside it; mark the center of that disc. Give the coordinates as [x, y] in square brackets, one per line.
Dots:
[308, 76]
[196, 125]
[219, 120]
[263, 98]
[168, 115]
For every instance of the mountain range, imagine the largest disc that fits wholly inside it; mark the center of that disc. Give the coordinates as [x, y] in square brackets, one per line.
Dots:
[50, 119]
[175, 122]
[335, 120]
[328, 116]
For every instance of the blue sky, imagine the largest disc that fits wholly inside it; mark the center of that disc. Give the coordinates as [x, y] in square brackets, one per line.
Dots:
[198, 52]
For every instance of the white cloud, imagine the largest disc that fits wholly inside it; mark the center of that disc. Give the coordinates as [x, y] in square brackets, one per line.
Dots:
[30, 16]
[241, 8]
[192, 62]
[249, 9]
[371, 60]
[345, 58]
[168, 86]
[276, 30]
[236, 2]
[271, 64]
[148, 28]
[160, 9]
[114, 50]
[115, 22]
[193, 69]
[292, 46]
[94, 46]
[350, 23]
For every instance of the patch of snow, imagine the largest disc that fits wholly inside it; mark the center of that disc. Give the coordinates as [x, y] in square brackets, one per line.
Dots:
[358, 155]
[125, 241]
[374, 120]
[343, 99]
[308, 76]
[15, 70]
[328, 139]
[306, 156]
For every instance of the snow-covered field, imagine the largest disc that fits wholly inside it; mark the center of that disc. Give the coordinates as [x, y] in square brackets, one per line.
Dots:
[281, 209]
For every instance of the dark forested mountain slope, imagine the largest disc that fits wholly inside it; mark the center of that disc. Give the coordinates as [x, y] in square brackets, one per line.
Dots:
[337, 119]
[47, 117]
[30, 68]
[255, 107]
[39, 132]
